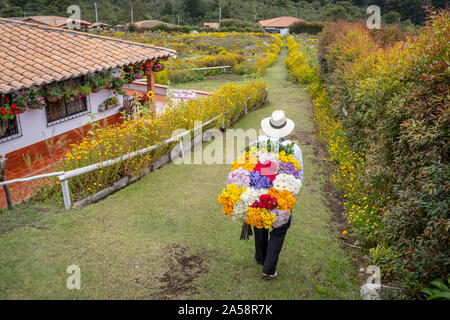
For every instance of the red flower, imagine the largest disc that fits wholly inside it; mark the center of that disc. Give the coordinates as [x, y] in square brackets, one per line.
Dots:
[16, 112]
[267, 169]
[13, 106]
[11, 111]
[6, 98]
[3, 112]
[265, 201]
[2, 109]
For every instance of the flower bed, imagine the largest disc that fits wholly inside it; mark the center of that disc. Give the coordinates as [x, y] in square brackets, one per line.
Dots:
[384, 117]
[247, 53]
[114, 141]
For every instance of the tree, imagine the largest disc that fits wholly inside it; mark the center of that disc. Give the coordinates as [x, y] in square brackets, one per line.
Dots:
[391, 17]
[194, 8]
[336, 12]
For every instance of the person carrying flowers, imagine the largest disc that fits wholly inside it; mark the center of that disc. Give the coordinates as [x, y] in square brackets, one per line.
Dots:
[261, 189]
[267, 249]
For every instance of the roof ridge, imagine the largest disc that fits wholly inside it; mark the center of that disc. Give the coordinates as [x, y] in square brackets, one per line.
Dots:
[41, 26]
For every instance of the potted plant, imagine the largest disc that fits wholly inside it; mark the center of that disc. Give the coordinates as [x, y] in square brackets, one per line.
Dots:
[37, 100]
[129, 77]
[112, 102]
[82, 91]
[116, 85]
[21, 100]
[68, 93]
[146, 67]
[108, 103]
[54, 93]
[96, 82]
[8, 112]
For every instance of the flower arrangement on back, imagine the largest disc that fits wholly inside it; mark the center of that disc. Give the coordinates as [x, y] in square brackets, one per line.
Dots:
[261, 189]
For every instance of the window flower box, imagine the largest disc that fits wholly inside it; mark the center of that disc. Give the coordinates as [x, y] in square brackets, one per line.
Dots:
[54, 93]
[108, 104]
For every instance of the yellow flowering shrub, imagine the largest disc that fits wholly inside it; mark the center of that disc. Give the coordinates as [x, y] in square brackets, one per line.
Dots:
[304, 69]
[246, 53]
[134, 134]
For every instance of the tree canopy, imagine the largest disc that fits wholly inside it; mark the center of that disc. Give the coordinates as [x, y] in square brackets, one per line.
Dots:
[198, 11]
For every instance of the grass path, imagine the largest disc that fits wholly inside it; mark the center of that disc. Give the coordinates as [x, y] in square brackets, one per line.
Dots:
[165, 236]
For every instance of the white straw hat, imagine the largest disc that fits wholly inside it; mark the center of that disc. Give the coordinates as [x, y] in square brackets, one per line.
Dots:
[277, 126]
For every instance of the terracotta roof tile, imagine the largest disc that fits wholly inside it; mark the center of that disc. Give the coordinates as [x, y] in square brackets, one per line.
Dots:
[280, 22]
[35, 54]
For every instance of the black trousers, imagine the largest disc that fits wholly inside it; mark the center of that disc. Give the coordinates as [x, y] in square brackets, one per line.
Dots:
[268, 249]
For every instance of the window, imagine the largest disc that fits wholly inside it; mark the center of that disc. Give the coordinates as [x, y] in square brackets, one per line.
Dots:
[9, 129]
[61, 111]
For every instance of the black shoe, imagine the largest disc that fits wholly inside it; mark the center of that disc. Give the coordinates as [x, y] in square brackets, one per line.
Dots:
[269, 277]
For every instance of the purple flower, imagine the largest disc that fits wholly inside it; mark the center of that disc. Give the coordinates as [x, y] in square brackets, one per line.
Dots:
[239, 177]
[258, 181]
[288, 168]
[282, 217]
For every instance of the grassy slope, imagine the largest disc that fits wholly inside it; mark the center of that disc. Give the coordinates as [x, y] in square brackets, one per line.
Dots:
[165, 235]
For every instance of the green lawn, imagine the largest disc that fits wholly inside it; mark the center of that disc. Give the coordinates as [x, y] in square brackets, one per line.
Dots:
[165, 236]
[210, 83]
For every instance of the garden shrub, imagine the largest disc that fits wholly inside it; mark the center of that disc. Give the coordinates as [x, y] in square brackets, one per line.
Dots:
[148, 129]
[306, 27]
[385, 117]
[246, 54]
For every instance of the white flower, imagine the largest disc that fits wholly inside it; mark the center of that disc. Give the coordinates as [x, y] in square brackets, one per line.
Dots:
[267, 156]
[287, 182]
[240, 209]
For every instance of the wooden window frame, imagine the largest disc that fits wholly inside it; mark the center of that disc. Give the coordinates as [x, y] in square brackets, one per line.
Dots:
[64, 104]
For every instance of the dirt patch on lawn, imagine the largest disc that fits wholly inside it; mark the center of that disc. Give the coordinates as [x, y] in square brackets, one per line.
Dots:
[304, 138]
[183, 267]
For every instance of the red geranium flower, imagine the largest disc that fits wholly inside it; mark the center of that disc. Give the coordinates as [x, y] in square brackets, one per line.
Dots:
[16, 112]
[3, 112]
[265, 201]
[6, 98]
[13, 106]
[267, 169]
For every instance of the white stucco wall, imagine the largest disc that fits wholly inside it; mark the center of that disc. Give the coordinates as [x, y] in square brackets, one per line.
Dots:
[34, 122]
[283, 31]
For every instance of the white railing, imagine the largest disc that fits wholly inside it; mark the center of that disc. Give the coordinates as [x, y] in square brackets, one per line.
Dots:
[83, 170]
[64, 176]
[45, 175]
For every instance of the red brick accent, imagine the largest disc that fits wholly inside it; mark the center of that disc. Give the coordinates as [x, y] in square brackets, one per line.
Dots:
[43, 159]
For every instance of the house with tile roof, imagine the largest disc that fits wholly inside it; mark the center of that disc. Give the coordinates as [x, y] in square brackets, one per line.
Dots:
[56, 21]
[38, 60]
[278, 25]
